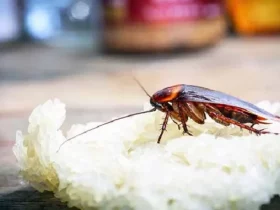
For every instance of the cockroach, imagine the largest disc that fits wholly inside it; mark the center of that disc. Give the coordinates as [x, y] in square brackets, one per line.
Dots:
[181, 102]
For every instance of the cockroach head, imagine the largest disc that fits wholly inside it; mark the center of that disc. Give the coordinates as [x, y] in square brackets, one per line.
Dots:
[156, 104]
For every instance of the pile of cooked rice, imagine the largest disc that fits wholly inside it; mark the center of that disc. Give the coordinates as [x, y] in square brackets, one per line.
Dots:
[120, 166]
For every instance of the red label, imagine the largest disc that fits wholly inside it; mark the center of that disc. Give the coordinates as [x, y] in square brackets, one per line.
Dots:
[154, 11]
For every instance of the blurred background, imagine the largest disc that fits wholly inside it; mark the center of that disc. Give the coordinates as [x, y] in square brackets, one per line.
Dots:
[84, 52]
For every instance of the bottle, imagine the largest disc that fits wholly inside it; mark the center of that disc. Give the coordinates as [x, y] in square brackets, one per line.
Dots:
[255, 17]
[162, 25]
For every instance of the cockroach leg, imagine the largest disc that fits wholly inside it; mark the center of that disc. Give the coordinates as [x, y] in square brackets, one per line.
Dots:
[230, 121]
[252, 127]
[210, 110]
[183, 120]
[179, 127]
[261, 131]
[194, 112]
[163, 128]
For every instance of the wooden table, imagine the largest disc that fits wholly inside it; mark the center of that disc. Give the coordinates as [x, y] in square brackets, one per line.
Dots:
[96, 86]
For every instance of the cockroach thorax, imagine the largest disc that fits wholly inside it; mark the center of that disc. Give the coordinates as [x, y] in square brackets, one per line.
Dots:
[167, 94]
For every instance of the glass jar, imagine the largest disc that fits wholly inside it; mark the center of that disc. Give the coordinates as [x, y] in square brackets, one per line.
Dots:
[162, 25]
[10, 21]
[64, 23]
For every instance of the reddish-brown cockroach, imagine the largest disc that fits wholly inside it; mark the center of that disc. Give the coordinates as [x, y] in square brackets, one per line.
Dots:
[181, 102]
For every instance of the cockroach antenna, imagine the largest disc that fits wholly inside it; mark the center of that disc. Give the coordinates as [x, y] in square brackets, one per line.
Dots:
[120, 118]
[141, 86]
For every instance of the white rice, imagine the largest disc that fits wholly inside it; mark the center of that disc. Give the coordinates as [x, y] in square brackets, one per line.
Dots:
[120, 166]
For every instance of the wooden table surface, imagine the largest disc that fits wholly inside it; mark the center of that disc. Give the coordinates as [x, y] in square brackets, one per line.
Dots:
[96, 86]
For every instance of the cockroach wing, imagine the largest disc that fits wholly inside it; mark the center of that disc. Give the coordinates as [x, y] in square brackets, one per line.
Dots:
[192, 93]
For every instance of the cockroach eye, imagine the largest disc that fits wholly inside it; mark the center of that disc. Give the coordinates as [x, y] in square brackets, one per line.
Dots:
[155, 104]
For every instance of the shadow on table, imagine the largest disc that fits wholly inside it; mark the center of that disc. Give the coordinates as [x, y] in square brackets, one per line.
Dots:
[30, 199]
